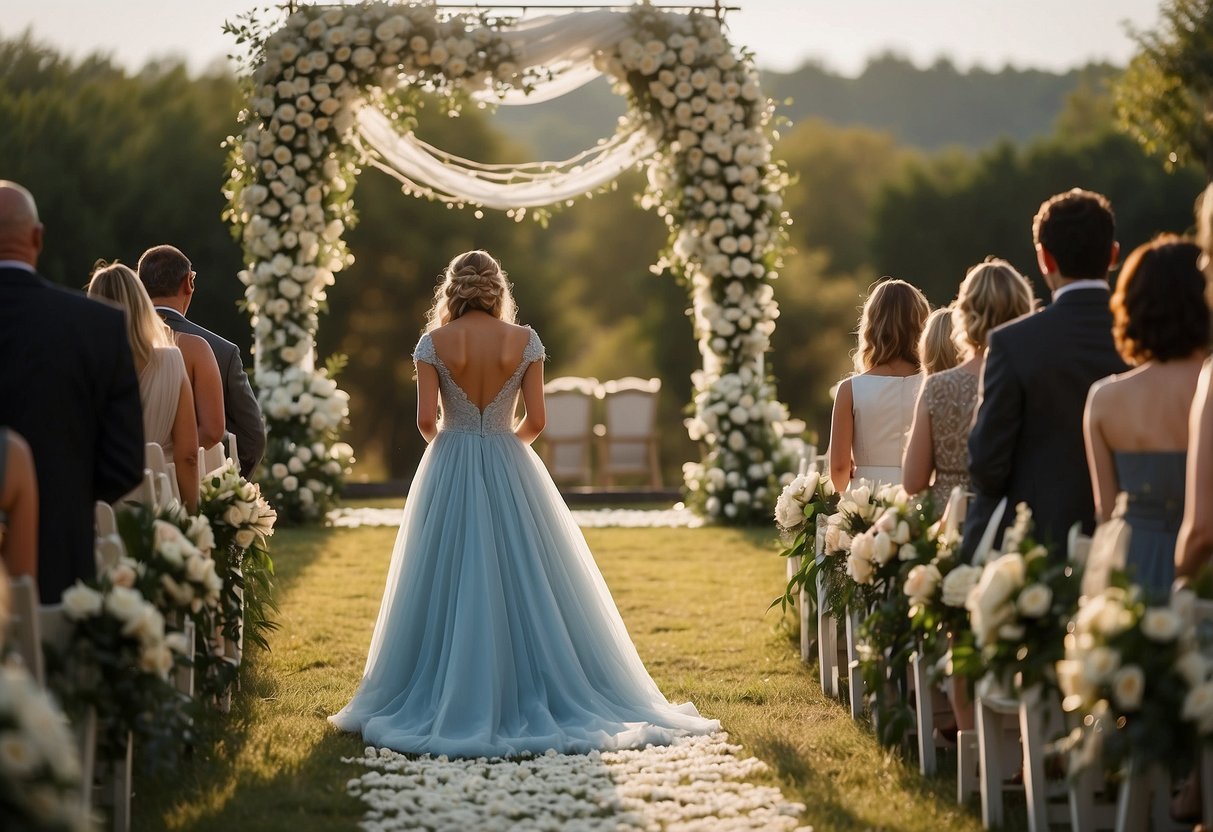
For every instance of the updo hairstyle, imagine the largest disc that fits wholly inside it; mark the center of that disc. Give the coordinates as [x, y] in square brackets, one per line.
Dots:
[991, 294]
[472, 281]
[890, 325]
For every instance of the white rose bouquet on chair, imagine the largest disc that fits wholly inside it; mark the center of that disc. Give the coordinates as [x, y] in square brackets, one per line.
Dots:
[118, 659]
[802, 501]
[1019, 610]
[243, 523]
[1136, 675]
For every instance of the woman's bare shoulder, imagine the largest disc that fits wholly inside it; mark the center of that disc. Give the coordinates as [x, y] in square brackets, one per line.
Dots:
[194, 347]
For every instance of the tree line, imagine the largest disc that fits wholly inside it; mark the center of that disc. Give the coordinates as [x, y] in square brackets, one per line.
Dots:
[121, 160]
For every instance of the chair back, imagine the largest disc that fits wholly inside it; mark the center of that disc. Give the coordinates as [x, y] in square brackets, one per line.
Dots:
[24, 626]
[104, 520]
[567, 436]
[153, 457]
[231, 448]
[630, 410]
[211, 459]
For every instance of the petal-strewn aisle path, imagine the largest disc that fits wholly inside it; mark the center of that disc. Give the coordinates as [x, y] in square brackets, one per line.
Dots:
[693, 601]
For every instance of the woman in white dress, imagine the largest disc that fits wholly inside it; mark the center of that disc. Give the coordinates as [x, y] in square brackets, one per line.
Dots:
[874, 408]
[164, 386]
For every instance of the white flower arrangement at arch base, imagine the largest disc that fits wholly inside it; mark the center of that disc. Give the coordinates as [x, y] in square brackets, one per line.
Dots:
[712, 181]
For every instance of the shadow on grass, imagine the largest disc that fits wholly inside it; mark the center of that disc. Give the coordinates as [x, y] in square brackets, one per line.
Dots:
[214, 788]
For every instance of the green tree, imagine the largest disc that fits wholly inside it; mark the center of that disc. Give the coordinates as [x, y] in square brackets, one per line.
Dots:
[1165, 97]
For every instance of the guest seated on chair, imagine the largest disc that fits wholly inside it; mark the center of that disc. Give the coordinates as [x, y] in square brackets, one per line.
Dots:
[18, 506]
[68, 385]
[1136, 423]
[991, 294]
[169, 279]
[164, 387]
[874, 408]
[1194, 546]
[937, 350]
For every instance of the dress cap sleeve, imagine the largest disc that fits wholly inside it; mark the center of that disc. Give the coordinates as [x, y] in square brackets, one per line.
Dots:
[424, 351]
[534, 350]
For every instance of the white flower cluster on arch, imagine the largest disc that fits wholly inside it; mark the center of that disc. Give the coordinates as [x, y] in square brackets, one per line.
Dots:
[710, 176]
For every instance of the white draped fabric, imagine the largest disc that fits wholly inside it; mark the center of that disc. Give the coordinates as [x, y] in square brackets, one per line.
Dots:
[563, 46]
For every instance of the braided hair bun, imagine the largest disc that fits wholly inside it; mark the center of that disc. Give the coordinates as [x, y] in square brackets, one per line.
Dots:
[473, 281]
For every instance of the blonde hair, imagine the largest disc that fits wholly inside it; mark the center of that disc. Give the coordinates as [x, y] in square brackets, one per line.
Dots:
[937, 351]
[992, 293]
[472, 281]
[890, 325]
[144, 329]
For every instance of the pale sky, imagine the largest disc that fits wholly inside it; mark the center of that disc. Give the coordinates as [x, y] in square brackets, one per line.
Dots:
[842, 34]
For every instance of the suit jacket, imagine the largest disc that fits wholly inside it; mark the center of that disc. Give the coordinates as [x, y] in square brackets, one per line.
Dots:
[68, 385]
[1027, 442]
[240, 409]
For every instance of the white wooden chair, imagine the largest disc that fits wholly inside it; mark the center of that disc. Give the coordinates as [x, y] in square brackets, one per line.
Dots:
[855, 688]
[32, 627]
[104, 521]
[569, 432]
[827, 626]
[211, 459]
[628, 445]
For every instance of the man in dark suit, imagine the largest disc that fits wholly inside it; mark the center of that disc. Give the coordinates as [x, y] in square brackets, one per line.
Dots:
[169, 278]
[1027, 444]
[68, 385]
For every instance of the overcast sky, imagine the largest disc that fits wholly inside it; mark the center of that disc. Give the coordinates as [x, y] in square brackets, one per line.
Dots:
[1047, 34]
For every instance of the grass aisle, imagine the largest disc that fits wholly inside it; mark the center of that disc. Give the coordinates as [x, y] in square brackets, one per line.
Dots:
[693, 600]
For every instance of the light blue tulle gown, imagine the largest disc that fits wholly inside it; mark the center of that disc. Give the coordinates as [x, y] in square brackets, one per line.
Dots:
[497, 634]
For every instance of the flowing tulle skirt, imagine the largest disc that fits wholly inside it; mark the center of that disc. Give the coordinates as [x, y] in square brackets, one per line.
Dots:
[497, 634]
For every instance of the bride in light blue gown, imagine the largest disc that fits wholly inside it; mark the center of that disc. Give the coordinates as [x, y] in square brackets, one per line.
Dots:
[497, 634]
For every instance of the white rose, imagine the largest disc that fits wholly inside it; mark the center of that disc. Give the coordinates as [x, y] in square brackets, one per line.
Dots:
[1100, 663]
[290, 483]
[278, 470]
[789, 512]
[1193, 667]
[1034, 600]
[120, 575]
[245, 537]
[958, 583]
[1128, 687]
[1198, 707]
[907, 552]
[1160, 624]
[902, 533]
[157, 659]
[81, 602]
[124, 603]
[863, 547]
[882, 548]
[18, 756]
[859, 568]
[922, 582]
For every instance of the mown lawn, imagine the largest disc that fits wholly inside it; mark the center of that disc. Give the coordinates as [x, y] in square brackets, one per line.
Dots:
[695, 603]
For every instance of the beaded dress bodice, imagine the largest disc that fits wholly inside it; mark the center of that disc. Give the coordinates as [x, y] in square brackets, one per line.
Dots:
[459, 413]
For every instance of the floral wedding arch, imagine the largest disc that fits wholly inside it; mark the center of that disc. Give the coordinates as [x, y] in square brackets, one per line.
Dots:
[338, 87]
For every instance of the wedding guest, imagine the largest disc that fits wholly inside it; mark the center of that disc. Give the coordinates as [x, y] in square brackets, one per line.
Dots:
[937, 350]
[874, 407]
[68, 385]
[1026, 444]
[1194, 545]
[1136, 424]
[169, 278]
[18, 506]
[991, 294]
[164, 387]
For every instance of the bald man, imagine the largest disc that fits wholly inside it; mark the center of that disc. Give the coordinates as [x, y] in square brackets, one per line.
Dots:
[68, 385]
